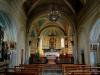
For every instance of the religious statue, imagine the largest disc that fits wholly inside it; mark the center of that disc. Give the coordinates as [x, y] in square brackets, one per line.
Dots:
[1, 41]
[1, 35]
[3, 46]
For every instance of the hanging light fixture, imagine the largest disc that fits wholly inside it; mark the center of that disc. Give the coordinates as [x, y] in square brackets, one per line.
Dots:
[53, 14]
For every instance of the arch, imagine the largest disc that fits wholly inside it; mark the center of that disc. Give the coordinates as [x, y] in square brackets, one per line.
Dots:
[8, 28]
[95, 31]
[67, 15]
[51, 26]
[4, 19]
[69, 22]
[94, 42]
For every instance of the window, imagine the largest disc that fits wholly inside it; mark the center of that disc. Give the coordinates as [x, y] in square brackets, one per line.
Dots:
[62, 42]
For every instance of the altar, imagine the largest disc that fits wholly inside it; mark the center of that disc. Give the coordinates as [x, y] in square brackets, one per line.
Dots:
[51, 55]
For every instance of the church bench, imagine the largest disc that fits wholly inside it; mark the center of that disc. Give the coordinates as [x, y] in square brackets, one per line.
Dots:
[31, 65]
[28, 68]
[75, 69]
[68, 67]
[82, 72]
[35, 66]
[21, 73]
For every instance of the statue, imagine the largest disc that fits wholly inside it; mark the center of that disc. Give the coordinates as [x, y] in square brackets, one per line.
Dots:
[1, 35]
[1, 41]
[3, 46]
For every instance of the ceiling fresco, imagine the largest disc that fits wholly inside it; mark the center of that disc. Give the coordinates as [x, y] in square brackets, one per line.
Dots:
[52, 30]
[42, 22]
[37, 14]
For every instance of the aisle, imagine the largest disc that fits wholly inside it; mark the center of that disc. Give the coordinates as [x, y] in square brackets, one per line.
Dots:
[52, 70]
[52, 73]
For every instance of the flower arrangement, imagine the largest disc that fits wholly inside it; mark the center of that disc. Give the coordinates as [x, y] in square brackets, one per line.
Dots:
[37, 56]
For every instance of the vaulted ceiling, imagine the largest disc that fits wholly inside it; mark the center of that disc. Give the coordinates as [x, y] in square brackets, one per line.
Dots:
[74, 5]
[37, 14]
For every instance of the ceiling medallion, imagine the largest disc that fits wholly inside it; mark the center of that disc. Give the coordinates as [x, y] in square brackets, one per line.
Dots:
[53, 14]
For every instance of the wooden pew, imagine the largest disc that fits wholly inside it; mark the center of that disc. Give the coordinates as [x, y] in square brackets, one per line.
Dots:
[22, 73]
[34, 66]
[74, 69]
[29, 68]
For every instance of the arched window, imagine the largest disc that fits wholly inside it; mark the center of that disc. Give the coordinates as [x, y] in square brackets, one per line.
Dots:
[62, 43]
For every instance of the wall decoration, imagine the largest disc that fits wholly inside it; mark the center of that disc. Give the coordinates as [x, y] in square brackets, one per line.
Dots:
[94, 46]
[41, 22]
[32, 33]
[12, 45]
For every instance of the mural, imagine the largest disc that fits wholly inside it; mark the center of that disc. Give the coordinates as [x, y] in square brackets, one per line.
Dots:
[32, 33]
[41, 22]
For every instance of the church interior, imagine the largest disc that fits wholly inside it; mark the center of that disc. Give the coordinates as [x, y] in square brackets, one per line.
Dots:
[45, 37]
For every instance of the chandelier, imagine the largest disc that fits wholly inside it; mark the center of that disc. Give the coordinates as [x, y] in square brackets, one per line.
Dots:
[53, 14]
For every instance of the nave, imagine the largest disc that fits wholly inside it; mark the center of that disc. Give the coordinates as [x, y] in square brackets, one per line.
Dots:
[52, 69]
[49, 37]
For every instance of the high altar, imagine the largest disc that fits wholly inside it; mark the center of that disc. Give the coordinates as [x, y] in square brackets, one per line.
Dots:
[51, 55]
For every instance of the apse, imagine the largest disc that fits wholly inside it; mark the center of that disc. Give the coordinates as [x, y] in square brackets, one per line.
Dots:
[49, 32]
